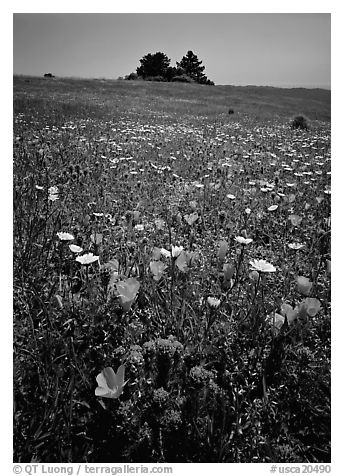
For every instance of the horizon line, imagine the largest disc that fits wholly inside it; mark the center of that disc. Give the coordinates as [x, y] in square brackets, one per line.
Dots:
[325, 88]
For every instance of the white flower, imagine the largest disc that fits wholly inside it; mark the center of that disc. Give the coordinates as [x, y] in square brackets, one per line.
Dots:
[53, 193]
[65, 236]
[242, 240]
[53, 189]
[213, 302]
[87, 258]
[262, 266]
[248, 210]
[75, 248]
[272, 208]
[139, 227]
[295, 246]
[230, 196]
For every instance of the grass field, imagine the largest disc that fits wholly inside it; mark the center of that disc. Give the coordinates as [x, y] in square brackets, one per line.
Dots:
[171, 273]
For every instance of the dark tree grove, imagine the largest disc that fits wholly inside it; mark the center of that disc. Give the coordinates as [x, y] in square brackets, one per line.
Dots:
[157, 67]
[193, 67]
[153, 65]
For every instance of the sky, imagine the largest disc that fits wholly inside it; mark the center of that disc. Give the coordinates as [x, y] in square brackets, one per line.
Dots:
[270, 49]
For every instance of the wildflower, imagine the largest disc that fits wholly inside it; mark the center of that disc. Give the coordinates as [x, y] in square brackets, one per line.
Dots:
[276, 321]
[296, 246]
[254, 276]
[157, 268]
[110, 383]
[176, 250]
[53, 194]
[230, 196]
[213, 302]
[247, 211]
[304, 285]
[288, 312]
[87, 258]
[295, 219]
[272, 208]
[127, 291]
[165, 253]
[39, 187]
[75, 248]
[65, 236]
[262, 266]
[139, 227]
[242, 240]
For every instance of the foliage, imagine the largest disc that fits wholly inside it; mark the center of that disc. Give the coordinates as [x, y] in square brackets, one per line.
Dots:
[156, 67]
[182, 78]
[132, 76]
[193, 67]
[153, 65]
[189, 255]
[300, 122]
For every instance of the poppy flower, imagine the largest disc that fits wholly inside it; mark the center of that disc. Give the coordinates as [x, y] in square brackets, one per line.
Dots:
[176, 250]
[165, 253]
[157, 268]
[110, 383]
[127, 291]
[304, 285]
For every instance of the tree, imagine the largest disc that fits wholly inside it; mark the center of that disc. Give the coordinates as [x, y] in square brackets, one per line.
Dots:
[192, 67]
[153, 65]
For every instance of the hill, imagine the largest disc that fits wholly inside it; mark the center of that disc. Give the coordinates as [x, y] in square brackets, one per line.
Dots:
[172, 99]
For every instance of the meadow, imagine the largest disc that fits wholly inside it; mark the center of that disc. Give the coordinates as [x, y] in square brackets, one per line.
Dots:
[172, 267]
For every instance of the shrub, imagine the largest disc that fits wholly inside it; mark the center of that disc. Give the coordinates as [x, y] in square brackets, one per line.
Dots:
[300, 122]
[183, 78]
[230, 111]
[131, 76]
[155, 78]
[49, 75]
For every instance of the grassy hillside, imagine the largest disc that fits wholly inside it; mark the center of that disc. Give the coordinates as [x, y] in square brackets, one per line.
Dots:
[175, 100]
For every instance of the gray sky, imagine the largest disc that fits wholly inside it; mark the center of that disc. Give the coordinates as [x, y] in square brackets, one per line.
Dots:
[276, 49]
